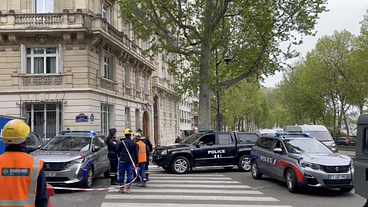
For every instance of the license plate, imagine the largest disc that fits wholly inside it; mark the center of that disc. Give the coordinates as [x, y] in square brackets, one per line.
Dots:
[50, 174]
[337, 177]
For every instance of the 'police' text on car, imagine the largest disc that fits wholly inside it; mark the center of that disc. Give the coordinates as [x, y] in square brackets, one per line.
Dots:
[74, 157]
[207, 148]
[301, 160]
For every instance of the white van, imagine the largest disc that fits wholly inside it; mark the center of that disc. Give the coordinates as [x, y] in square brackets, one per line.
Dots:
[319, 132]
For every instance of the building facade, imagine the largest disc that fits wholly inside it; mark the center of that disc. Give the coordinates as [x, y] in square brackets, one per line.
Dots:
[188, 114]
[75, 64]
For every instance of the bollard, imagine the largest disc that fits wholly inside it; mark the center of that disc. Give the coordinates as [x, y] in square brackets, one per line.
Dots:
[50, 193]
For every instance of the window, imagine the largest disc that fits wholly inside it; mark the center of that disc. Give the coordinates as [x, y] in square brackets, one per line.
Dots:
[127, 117]
[365, 141]
[137, 84]
[207, 140]
[43, 6]
[42, 60]
[265, 143]
[96, 142]
[224, 139]
[105, 118]
[106, 12]
[127, 75]
[108, 67]
[145, 87]
[127, 29]
[44, 119]
[144, 44]
[247, 137]
[137, 119]
[135, 40]
[68, 143]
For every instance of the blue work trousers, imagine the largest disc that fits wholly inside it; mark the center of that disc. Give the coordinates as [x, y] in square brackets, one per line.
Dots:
[114, 162]
[142, 171]
[127, 167]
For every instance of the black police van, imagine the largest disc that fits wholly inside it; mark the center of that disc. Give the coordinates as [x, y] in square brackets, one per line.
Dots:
[207, 148]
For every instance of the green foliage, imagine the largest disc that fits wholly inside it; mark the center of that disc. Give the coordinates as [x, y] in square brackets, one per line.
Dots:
[249, 32]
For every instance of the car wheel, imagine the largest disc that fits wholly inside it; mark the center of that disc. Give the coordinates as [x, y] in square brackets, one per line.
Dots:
[180, 165]
[244, 163]
[107, 173]
[346, 190]
[255, 172]
[291, 181]
[88, 180]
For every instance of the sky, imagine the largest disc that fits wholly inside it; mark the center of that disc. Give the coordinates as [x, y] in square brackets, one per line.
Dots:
[343, 14]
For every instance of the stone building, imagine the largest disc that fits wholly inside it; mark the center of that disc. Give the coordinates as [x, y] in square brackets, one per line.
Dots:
[75, 64]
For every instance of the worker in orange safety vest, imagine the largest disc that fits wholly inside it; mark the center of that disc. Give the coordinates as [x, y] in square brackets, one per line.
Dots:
[22, 178]
[142, 160]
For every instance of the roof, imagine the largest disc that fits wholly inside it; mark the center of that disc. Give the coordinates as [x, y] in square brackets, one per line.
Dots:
[306, 128]
[363, 119]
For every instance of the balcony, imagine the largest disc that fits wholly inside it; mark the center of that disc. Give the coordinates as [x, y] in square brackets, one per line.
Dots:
[70, 26]
[107, 84]
[48, 81]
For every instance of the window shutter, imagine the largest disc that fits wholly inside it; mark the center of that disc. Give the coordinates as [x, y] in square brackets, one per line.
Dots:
[114, 68]
[102, 71]
[60, 58]
[23, 58]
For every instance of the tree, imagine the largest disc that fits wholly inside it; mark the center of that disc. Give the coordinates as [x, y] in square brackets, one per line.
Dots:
[248, 31]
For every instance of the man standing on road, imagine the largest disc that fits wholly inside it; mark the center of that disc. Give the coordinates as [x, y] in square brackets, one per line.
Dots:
[127, 149]
[142, 160]
[22, 178]
[149, 150]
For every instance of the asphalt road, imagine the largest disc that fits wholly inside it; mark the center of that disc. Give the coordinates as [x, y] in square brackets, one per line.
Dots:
[207, 187]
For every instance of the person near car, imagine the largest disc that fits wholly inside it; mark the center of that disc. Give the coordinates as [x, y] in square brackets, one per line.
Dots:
[142, 160]
[127, 150]
[178, 140]
[112, 144]
[21, 175]
[149, 150]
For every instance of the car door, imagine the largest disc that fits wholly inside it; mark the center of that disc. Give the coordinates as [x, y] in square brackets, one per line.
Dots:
[224, 150]
[265, 159]
[201, 152]
[97, 154]
[104, 153]
[278, 170]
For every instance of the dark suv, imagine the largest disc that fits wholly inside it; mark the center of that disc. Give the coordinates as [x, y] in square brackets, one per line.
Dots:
[207, 148]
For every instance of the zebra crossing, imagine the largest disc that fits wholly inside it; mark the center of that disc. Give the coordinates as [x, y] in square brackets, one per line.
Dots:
[190, 190]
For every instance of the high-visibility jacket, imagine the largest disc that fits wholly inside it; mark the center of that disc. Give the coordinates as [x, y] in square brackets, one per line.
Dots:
[18, 179]
[142, 154]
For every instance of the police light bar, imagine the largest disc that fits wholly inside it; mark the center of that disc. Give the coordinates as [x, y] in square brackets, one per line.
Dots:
[292, 134]
[63, 132]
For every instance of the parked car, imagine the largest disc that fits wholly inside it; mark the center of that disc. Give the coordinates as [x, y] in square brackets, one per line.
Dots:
[342, 141]
[33, 142]
[207, 148]
[74, 157]
[301, 161]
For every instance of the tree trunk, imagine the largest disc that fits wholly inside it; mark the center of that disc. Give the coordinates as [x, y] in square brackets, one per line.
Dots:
[204, 71]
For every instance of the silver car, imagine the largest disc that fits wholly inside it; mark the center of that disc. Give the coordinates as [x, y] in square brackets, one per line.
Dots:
[301, 161]
[74, 157]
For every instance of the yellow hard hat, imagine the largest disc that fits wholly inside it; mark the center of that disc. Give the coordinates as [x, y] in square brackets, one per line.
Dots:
[15, 132]
[128, 131]
[137, 135]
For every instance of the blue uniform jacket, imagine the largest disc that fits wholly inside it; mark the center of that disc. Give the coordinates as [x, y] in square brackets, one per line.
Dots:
[41, 191]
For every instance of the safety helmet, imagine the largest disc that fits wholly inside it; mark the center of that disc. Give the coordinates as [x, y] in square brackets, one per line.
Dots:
[137, 135]
[128, 131]
[15, 132]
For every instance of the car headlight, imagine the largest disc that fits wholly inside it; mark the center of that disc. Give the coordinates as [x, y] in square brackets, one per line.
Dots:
[77, 161]
[305, 164]
[351, 165]
[164, 152]
[333, 143]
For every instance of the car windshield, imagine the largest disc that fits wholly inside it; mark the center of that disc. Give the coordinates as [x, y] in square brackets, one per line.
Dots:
[321, 135]
[191, 139]
[299, 146]
[68, 143]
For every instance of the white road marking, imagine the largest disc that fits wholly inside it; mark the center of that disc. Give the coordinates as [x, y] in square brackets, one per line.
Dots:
[188, 198]
[157, 190]
[194, 181]
[108, 204]
[197, 186]
[188, 178]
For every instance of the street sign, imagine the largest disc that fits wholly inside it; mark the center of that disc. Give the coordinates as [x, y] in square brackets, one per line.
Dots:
[219, 118]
